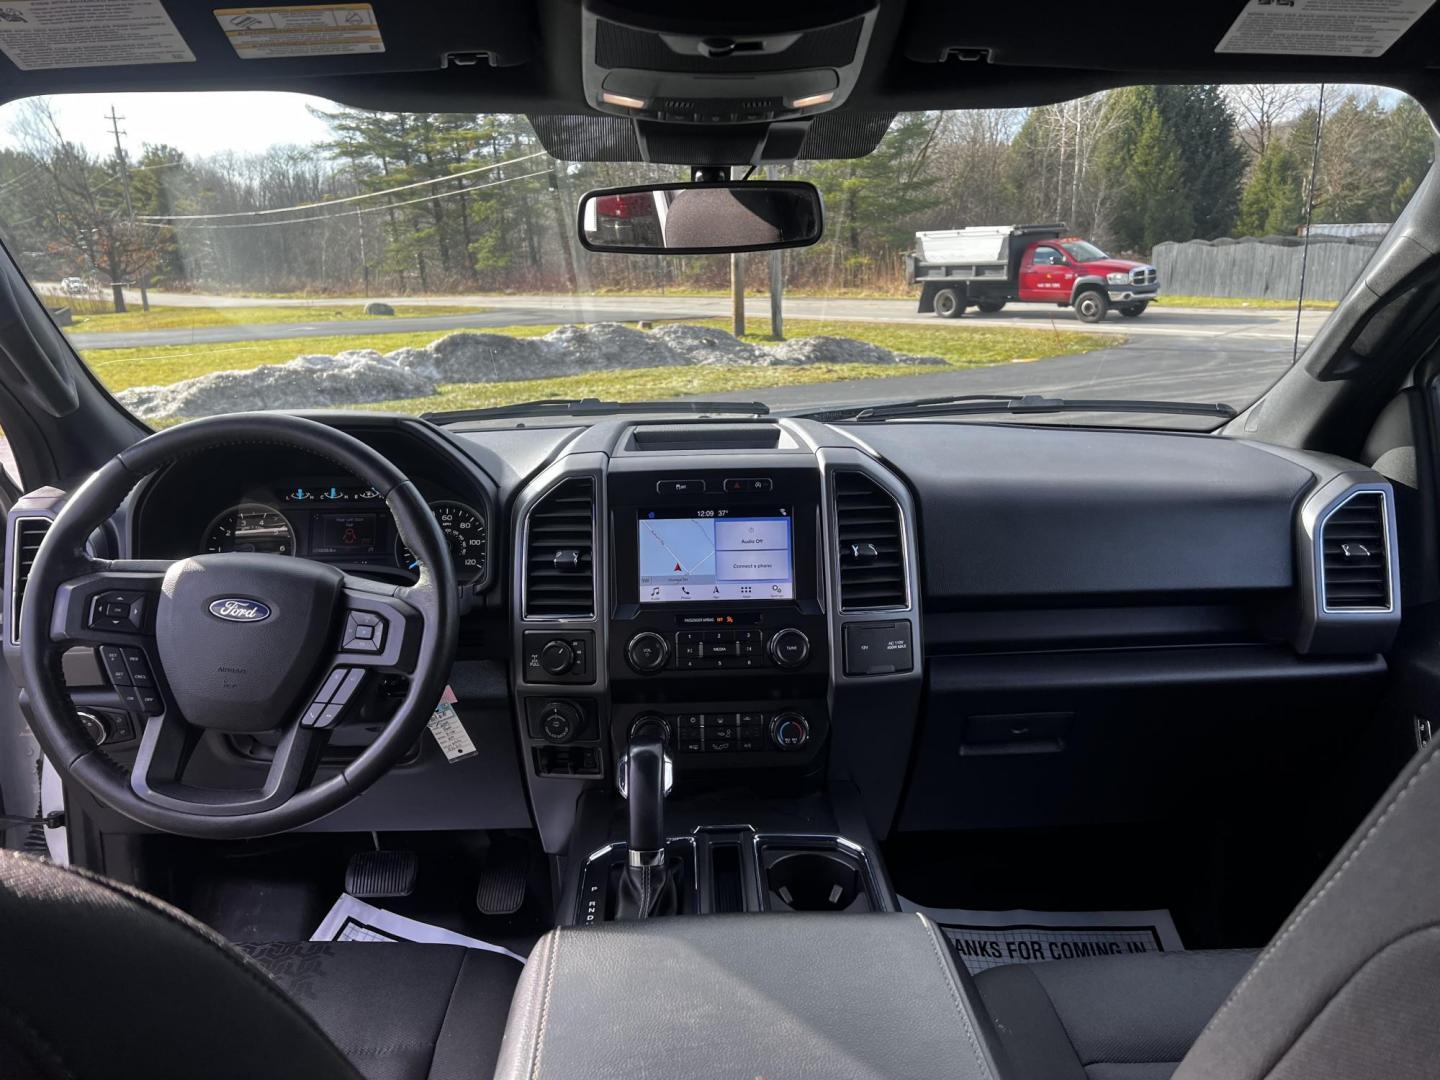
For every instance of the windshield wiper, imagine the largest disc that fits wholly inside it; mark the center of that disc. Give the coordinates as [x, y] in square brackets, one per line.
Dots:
[964, 404]
[595, 407]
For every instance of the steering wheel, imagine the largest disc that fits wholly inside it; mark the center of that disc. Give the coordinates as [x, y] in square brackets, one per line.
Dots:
[235, 643]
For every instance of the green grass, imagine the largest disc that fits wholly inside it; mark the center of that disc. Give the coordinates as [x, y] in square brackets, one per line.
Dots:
[959, 346]
[1165, 300]
[188, 318]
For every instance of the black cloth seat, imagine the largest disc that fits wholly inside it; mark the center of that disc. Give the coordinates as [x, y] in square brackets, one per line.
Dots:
[101, 981]
[1108, 1018]
[400, 1011]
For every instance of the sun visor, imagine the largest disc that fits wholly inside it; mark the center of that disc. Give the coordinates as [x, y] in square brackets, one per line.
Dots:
[165, 44]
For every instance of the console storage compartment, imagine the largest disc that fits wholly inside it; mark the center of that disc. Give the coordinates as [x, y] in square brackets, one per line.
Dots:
[804, 996]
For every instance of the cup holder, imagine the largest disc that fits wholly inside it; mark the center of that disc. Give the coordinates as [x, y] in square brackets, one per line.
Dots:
[814, 881]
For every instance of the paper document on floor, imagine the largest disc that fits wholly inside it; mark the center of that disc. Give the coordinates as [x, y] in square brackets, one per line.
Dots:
[355, 920]
[986, 939]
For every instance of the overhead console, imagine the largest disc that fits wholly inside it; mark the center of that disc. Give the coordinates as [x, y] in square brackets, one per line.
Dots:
[727, 88]
[732, 581]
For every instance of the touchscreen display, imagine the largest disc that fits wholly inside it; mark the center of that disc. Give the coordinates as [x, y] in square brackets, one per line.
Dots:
[715, 555]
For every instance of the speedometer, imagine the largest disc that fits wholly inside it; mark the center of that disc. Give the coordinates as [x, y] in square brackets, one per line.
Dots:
[464, 531]
[250, 527]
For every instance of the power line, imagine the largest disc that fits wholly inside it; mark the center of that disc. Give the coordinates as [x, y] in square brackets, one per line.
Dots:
[346, 199]
[348, 213]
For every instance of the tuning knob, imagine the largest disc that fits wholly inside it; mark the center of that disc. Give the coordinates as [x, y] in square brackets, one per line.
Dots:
[789, 648]
[647, 652]
[789, 731]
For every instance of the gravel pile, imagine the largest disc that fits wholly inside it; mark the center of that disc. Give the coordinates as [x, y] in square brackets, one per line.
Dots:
[364, 376]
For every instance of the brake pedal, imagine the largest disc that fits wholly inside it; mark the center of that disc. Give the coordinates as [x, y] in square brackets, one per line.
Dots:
[502, 881]
[375, 875]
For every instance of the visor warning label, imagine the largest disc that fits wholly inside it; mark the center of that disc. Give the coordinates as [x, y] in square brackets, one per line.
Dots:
[268, 33]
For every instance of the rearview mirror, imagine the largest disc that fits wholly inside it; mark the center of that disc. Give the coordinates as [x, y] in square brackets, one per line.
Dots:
[702, 219]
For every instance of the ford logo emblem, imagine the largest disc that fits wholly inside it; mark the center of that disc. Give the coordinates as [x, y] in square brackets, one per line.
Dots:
[235, 609]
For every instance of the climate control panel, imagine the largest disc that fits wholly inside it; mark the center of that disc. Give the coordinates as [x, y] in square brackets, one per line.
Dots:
[734, 736]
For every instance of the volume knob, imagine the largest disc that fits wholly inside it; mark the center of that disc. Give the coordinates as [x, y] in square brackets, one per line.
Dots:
[647, 652]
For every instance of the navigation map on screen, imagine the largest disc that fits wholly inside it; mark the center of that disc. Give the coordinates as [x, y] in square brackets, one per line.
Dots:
[715, 555]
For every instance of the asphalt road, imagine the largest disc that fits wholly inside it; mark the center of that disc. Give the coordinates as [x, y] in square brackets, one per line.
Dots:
[1179, 369]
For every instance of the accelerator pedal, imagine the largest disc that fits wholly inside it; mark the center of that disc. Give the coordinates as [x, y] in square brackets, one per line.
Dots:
[502, 881]
[376, 875]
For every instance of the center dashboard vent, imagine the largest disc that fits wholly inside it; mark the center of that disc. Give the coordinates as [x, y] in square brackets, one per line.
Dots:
[871, 545]
[29, 532]
[560, 553]
[1355, 569]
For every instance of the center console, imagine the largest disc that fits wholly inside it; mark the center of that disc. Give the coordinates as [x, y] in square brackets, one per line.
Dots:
[746, 589]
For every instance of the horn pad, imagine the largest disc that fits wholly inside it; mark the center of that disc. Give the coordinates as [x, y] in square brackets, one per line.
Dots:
[241, 637]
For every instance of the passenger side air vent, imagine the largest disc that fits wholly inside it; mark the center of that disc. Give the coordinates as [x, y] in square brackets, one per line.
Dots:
[560, 553]
[1355, 572]
[29, 532]
[871, 545]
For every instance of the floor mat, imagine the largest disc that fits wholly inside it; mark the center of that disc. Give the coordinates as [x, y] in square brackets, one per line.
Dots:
[355, 920]
[986, 939]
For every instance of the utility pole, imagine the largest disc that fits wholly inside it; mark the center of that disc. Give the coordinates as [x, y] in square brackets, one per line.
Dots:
[777, 288]
[123, 164]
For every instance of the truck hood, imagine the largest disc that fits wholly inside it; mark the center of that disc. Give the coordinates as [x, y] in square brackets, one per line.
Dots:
[1108, 266]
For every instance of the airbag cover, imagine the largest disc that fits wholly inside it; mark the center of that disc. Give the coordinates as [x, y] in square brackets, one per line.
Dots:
[241, 636]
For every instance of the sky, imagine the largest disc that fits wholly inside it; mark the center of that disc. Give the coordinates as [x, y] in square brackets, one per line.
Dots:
[198, 124]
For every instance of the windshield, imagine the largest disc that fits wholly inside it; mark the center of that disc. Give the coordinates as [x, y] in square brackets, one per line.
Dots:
[1081, 251]
[208, 253]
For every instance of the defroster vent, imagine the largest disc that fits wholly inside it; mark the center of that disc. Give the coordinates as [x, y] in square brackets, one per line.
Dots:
[1355, 575]
[871, 544]
[560, 553]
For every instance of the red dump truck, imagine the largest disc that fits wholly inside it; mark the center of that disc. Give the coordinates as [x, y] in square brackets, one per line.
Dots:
[988, 266]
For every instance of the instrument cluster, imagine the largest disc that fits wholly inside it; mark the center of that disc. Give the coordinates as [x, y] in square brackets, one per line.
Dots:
[344, 524]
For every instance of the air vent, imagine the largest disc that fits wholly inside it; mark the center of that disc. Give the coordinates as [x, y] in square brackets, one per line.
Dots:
[1355, 574]
[560, 553]
[872, 560]
[29, 532]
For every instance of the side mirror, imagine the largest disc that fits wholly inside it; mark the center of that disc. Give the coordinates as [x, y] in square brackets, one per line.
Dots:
[702, 219]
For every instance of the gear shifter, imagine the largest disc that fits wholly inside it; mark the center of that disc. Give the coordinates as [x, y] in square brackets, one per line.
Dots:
[648, 886]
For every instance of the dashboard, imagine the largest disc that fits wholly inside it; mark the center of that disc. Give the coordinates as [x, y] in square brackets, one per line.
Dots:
[954, 619]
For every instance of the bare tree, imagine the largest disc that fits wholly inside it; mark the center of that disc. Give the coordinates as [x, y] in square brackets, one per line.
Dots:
[1263, 108]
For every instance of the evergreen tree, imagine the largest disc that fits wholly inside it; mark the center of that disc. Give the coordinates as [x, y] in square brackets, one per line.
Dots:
[1271, 204]
[1212, 158]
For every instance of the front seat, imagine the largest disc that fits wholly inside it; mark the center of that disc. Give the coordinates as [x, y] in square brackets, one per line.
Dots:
[98, 980]
[1346, 989]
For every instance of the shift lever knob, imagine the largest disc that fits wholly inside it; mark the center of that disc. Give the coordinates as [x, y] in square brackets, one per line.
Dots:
[645, 775]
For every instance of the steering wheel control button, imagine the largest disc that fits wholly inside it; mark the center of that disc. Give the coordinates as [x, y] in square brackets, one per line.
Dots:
[332, 683]
[330, 714]
[364, 632]
[312, 714]
[789, 648]
[113, 661]
[647, 652]
[346, 689]
[137, 665]
[789, 731]
[878, 648]
[121, 611]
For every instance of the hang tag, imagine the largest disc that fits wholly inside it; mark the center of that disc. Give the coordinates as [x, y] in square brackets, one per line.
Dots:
[449, 731]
